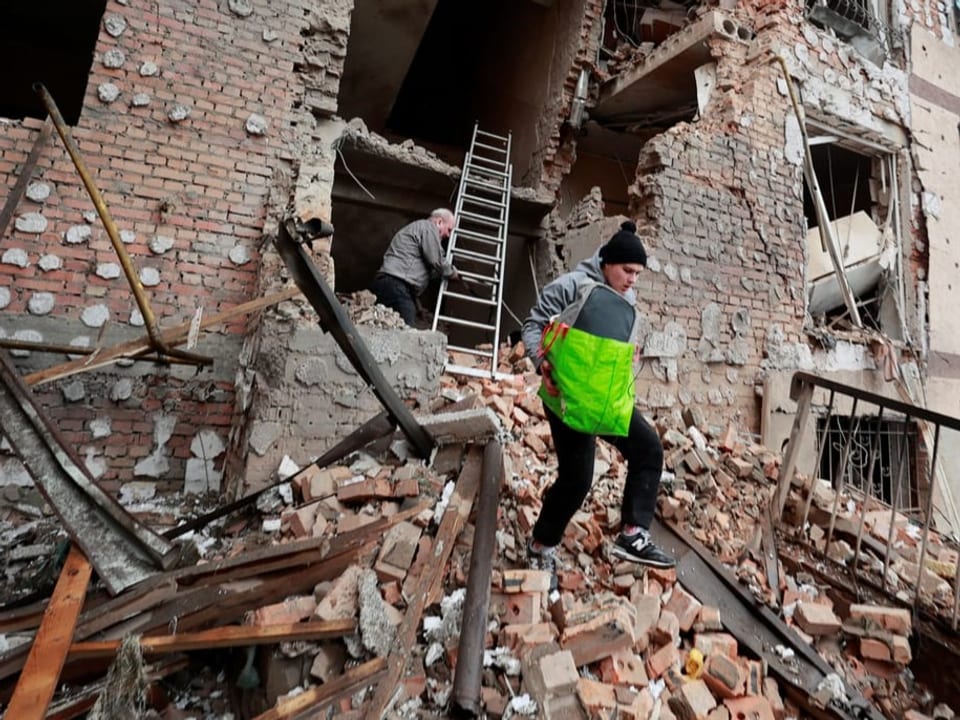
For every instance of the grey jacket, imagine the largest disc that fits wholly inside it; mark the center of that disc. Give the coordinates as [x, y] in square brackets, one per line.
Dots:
[555, 297]
[416, 256]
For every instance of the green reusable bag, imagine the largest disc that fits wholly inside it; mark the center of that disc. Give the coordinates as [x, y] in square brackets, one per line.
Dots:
[591, 347]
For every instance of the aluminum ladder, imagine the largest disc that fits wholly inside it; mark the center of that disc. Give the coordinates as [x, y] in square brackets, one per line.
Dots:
[477, 248]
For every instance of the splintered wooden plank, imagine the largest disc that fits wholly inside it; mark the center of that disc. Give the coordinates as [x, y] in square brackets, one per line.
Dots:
[316, 698]
[41, 672]
[431, 578]
[222, 637]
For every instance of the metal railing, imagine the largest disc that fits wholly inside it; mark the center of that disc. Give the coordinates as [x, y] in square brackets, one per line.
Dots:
[872, 468]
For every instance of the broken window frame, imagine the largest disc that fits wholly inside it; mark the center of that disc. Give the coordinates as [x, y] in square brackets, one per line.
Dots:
[886, 157]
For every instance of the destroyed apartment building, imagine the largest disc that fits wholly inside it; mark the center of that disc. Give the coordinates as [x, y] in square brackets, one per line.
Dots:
[232, 485]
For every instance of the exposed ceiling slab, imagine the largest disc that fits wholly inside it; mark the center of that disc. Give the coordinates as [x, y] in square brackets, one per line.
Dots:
[384, 37]
[665, 78]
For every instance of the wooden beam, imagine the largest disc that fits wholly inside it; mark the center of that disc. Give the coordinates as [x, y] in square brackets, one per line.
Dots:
[318, 697]
[221, 637]
[41, 672]
[334, 320]
[431, 579]
[26, 172]
[177, 335]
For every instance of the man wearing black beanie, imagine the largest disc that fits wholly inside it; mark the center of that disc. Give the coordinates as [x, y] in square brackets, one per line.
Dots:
[616, 265]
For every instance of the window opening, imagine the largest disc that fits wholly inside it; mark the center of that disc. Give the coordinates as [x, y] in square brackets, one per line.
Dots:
[858, 197]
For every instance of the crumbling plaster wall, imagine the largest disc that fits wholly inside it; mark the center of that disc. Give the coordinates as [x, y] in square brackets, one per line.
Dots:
[720, 205]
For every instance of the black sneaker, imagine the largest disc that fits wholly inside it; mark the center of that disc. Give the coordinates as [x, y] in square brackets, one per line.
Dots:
[640, 548]
[545, 559]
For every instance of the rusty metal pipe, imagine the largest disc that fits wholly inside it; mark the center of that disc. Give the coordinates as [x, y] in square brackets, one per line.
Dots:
[466, 682]
[133, 278]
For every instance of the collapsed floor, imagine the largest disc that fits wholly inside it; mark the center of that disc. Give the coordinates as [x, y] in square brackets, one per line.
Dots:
[350, 584]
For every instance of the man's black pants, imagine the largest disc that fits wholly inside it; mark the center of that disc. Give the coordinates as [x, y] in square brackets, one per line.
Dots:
[641, 449]
[397, 294]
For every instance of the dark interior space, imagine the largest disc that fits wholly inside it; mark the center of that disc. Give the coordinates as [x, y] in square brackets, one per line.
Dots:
[52, 43]
[844, 179]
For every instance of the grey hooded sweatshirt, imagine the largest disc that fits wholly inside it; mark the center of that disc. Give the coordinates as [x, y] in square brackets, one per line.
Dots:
[555, 297]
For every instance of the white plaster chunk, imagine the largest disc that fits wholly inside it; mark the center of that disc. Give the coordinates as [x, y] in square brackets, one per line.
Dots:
[127, 236]
[793, 140]
[239, 255]
[161, 243]
[150, 277]
[90, 216]
[262, 436]
[32, 336]
[101, 427]
[240, 8]
[94, 462]
[140, 100]
[931, 204]
[31, 223]
[108, 271]
[802, 53]
[78, 234]
[95, 315]
[50, 262]
[114, 24]
[138, 491]
[74, 391]
[80, 341]
[136, 318]
[178, 113]
[670, 270]
[268, 35]
[156, 464]
[124, 362]
[256, 124]
[15, 256]
[38, 191]
[810, 35]
[207, 444]
[114, 58]
[122, 390]
[41, 303]
[4, 297]
[107, 92]
[148, 68]
[201, 476]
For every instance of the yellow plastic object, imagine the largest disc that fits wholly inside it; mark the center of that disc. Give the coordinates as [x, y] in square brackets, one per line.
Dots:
[694, 664]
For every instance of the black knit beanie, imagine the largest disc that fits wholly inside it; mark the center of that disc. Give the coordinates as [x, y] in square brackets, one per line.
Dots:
[624, 247]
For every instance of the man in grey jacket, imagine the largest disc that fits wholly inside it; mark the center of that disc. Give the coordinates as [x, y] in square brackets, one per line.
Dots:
[414, 258]
[617, 264]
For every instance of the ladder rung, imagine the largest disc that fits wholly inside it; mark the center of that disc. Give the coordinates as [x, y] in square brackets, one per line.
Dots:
[475, 235]
[482, 240]
[494, 148]
[469, 298]
[480, 257]
[488, 134]
[471, 351]
[467, 323]
[486, 202]
[485, 184]
[489, 161]
[485, 171]
[480, 218]
[481, 279]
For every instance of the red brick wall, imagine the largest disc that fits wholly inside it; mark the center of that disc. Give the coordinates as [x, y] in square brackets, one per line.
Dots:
[205, 182]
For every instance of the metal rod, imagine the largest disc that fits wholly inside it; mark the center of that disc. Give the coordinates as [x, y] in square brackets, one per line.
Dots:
[844, 459]
[26, 172]
[871, 463]
[823, 219]
[928, 511]
[133, 278]
[815, 475]
[894, 505]
[466, 682]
